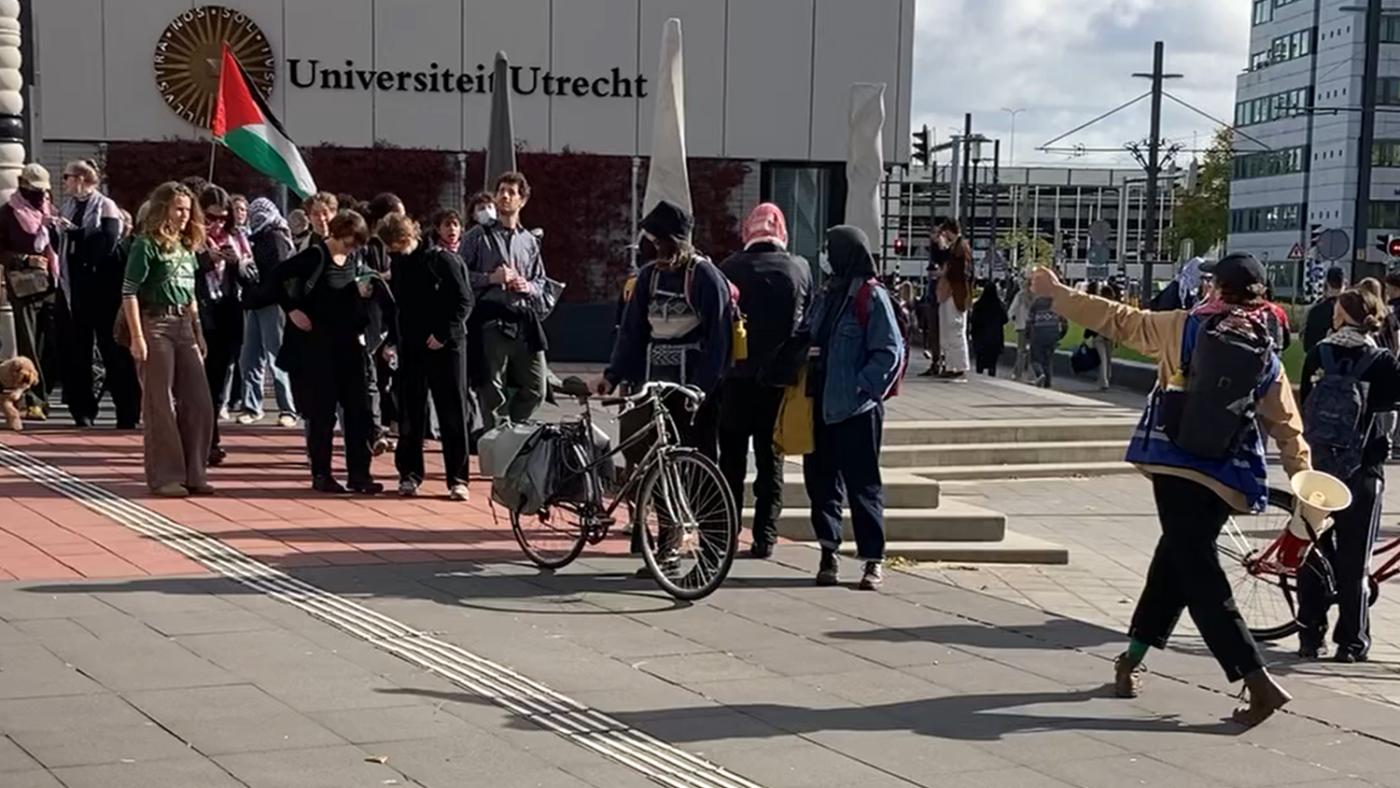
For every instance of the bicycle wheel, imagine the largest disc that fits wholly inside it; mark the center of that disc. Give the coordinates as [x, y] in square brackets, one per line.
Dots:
[1265, 591]
[551, 539]
[690, 524]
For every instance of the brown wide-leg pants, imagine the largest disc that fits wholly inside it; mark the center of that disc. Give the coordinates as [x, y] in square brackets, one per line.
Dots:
[176, 407]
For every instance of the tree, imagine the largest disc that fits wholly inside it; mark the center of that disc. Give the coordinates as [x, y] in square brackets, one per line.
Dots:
[1028, 248]
[1203, 213]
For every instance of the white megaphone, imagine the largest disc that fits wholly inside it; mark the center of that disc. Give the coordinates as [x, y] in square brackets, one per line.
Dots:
[1317, 496]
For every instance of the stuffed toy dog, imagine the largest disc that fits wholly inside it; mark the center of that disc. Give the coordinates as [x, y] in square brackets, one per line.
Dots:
[16, 376]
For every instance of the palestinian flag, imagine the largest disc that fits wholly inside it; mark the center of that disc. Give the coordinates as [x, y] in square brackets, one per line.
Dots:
[245, 125]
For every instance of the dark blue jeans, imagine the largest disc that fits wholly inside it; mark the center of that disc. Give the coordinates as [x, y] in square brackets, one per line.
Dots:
[846, 465]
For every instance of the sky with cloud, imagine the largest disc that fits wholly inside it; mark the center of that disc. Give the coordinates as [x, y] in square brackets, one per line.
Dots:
[1067, 61]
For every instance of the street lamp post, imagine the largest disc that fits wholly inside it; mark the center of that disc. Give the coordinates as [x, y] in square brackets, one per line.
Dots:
[1011, 157]
[12, 133]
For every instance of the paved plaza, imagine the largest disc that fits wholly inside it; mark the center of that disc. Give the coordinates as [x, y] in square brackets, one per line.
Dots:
[267, 637]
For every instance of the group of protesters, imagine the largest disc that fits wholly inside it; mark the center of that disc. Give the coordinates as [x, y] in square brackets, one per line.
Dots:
[362, 315]
[201, 296]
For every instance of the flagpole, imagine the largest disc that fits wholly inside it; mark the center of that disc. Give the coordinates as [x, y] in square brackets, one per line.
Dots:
[213, 149]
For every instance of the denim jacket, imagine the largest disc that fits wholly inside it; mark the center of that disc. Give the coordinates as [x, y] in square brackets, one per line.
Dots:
[861, 360]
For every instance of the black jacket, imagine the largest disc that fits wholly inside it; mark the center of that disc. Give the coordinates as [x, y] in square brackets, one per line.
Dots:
[1383, 394]
[775, 292]
[271, 247]
[988, 321]
[432, 283]
[1319, 323]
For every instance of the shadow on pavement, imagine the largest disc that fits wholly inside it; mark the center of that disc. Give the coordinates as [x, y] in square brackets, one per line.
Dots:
[1058, 632]
[975, 717]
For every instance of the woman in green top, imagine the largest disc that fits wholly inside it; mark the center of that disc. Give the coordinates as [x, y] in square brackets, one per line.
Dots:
[159, 311]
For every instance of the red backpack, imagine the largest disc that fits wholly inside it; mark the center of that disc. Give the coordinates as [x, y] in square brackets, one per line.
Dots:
[903, 321]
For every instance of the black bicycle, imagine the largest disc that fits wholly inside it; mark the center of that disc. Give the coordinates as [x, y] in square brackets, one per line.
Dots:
[677, 498]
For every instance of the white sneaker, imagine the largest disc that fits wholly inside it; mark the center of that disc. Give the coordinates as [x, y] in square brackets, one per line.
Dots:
[287, 420]
[248, 418]
[223, 414]
[408, 488]
[458, 492]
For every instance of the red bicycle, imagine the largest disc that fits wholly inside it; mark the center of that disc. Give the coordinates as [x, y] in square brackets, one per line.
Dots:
[1265, 583]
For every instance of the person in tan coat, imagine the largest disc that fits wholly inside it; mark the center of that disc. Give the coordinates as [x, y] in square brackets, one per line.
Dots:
[1197, 493]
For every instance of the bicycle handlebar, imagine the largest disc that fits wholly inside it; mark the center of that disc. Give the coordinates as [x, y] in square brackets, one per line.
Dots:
[575, 387]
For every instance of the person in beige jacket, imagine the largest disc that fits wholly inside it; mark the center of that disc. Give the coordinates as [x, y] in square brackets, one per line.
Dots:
[1196, 495]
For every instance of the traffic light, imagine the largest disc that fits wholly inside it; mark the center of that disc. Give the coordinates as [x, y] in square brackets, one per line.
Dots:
[919, 152]
[899, 247]
[1389, 245]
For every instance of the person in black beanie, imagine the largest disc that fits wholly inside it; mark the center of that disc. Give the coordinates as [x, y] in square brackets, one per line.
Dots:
[675, 328]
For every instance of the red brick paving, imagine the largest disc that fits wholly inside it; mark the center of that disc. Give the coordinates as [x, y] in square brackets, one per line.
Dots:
[264, 508]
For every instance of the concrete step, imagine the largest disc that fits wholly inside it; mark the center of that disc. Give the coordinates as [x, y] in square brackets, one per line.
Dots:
[915, 433]
[952, 521]
[1048, 470]
[925, 456]
[902, 491]
[1014, 549]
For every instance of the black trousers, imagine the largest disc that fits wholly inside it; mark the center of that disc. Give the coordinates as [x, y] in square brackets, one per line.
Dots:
[223, 346]
[335, 379]
[443, 375]
[987, 359]
[34, 323]
[89, 319]
[383, 393]
[846, 465]
[749, 410]
[1186, 574]
[1348, 548]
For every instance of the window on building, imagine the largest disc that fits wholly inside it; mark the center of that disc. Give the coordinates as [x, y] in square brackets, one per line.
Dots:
[1272, 107]
[1263, 11]
[1268, 219]
[1390, 29]
[1385, 153]
[1269, 163]
[1281, 3]
[1388, 90]
[1385, 213]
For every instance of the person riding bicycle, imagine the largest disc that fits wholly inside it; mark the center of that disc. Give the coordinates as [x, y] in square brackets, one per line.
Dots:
[676, 328]
[1205, 458]
[1351, 443]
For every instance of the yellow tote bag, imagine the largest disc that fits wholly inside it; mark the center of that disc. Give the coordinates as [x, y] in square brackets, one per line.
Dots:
[792, 435]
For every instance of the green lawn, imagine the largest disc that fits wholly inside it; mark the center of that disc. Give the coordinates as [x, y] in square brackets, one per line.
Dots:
[1292, 357]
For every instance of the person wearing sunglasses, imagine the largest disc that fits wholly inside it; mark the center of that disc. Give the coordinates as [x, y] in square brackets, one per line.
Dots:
[223, 264]
[328, 301]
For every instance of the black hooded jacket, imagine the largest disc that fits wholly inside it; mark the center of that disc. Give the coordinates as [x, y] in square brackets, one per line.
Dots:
[775, 292]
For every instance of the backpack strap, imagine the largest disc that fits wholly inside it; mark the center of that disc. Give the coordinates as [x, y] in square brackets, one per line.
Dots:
[1325, 358]
[862, 305]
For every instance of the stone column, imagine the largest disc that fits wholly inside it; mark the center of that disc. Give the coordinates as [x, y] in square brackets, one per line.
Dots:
[11, 139]
[11, 99]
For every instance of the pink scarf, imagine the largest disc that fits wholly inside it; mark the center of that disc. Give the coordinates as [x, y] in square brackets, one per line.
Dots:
[32, 221]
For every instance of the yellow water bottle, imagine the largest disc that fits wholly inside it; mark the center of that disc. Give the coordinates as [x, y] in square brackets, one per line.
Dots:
[740, 341]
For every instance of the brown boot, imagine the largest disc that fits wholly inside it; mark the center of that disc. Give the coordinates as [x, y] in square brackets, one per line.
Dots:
[1265, 698]
[1127, 677]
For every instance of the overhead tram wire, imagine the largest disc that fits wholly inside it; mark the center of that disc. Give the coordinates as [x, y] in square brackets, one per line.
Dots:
[1232, 127]
[1104, 116]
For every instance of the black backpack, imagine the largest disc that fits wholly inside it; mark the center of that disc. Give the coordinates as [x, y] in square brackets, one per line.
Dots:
[1334, 416]
[1209, 416]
